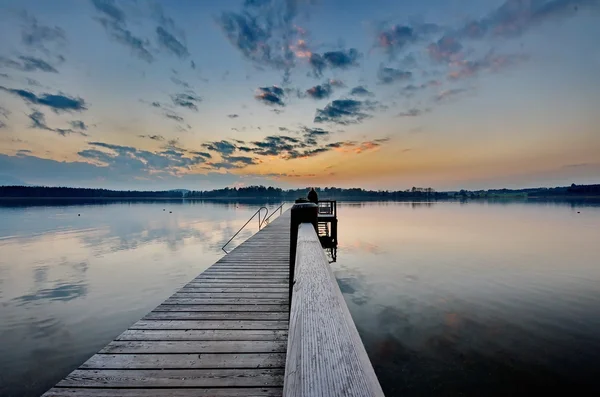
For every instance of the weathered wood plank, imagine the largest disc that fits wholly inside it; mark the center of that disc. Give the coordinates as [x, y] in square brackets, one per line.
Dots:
[193, 347]
[215, 315]
[240, 295]
[183, 361]
[209, 284]
[202, 335]
[162, 392]
[174, 377]
[174, 300]
[325, 355]
[213, 290]
[223, 308]
[209, 324]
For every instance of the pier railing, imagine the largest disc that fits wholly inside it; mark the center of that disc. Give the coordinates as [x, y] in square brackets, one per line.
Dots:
[258, 212]
[325, 355]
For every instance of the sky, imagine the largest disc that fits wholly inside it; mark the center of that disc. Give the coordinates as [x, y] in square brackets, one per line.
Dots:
[379, 94]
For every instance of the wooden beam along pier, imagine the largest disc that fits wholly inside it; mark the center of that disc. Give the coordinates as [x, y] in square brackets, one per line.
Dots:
[231, 331]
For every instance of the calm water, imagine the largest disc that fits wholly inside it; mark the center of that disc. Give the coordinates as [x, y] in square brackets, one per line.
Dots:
[449, 298]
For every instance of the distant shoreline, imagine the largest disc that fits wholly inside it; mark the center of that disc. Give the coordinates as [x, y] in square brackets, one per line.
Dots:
[279, 199]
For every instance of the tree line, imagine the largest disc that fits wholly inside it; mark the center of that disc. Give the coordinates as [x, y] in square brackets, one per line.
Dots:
[275, 193]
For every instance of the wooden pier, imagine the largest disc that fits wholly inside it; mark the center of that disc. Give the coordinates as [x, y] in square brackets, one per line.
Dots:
[223, 334]
[226, 332]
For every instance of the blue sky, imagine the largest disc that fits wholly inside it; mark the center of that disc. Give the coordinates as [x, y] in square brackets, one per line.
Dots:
[377, 94]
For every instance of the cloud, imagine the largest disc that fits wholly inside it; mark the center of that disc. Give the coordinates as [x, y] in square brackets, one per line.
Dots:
[370, 145]
[129, 159]
[173, 116]
[28, 64]
[38, 36]
[342, 111]
[387, 75]
[491, 62]
[270, 95]
[38, 121]
[186, 100]
[223, 147]
[413, 112]
[112, 18]
[361, 91]
[342, 59]
[4, 112]
[233, 116]
[78, 125]
[513, 18]
[446, 94]
[170, 43]
[159, 138]
[180, 82]
[263, 32]
[446, 49]
[396, 38]
[321, 91]
[57, 102]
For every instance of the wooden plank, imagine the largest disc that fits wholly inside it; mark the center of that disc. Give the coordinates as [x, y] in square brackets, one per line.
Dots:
[233, 289]
[223, 308]
[162, 392]
[245, 273]
[240, 295]
[193, 347]
[187, 316]
[209, 284]
[325, 355]
[174, 300]
[183, 361]
[173, 377]
[202, 335]
[209, 324]
[241, 279]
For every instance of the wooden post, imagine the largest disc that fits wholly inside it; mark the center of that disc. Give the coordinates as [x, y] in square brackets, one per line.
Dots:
[302, 212]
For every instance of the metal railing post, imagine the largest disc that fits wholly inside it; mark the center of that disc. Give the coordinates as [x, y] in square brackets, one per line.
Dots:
[302, 212]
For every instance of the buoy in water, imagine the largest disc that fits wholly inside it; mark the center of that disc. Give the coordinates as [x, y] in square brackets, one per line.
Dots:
[78, 214]
[170, 212]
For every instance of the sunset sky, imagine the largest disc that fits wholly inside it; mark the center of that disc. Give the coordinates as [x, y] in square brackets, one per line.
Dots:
[380, 94]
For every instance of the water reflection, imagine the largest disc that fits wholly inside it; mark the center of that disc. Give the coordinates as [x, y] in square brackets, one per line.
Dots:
[72, 277]
[477, 298]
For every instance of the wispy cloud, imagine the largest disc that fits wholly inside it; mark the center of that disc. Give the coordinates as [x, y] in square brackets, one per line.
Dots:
[38, 120]
[113, 19]
[342, 59]
[27, 64]
[38, 36]
[158, 138]
[170, 43]
[361, 91]
[387, 75]
[186, 100]
[270, 95]
[57, 102]
[413, 112]
[489, 63]
[450, 93]
[78, 125]
[343, 111]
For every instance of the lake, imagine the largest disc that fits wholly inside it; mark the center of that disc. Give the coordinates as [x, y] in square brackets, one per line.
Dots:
[449, 298]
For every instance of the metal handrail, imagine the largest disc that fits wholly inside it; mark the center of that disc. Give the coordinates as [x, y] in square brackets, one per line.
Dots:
[280, 208]
[252, 217]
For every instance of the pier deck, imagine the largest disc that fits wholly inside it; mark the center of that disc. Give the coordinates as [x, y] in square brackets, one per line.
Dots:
[223, 334]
